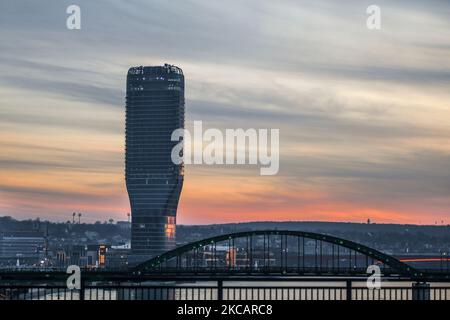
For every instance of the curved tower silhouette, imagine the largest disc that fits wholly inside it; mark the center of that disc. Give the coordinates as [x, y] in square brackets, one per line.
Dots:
[154, 109]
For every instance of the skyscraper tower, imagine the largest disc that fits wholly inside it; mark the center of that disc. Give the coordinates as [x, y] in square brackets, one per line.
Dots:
[154, 109]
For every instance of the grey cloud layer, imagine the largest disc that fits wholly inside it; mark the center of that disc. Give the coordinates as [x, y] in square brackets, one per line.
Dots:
[324, 41]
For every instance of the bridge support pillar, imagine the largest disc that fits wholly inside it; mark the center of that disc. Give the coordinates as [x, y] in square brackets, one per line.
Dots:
[220, 290]
[421, 291]
[81, 291]
[348, 290]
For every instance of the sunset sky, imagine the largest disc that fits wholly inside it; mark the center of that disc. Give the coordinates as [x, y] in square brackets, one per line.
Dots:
[364, 115]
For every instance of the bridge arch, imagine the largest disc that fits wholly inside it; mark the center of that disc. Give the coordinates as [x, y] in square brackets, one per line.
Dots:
[393, 263]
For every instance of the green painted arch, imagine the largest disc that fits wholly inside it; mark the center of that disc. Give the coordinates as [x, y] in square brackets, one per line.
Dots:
[400, 267]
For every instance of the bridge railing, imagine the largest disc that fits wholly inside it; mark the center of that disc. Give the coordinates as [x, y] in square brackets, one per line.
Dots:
[232, 290]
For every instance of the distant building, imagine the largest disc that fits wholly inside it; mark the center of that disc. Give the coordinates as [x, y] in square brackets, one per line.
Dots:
[26, 246]
[102, 250]
[154, 109]
[92, 256]
[85, 256]
[117, 258]
[71, 255]
[124, 225]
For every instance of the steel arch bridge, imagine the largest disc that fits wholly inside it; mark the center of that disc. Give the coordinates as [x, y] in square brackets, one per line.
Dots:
[281, 252]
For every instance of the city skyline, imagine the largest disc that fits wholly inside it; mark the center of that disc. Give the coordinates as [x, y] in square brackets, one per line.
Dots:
[363, 114]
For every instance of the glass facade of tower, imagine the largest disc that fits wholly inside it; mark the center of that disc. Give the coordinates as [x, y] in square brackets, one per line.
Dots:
[154, 109]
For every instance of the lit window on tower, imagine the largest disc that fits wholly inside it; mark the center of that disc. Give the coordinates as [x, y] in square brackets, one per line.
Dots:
[170, 228]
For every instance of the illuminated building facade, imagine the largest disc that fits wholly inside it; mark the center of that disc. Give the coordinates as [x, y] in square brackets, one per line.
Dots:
[154, 109]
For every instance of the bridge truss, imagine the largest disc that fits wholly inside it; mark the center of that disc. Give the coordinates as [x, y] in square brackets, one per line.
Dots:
[282, 252]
